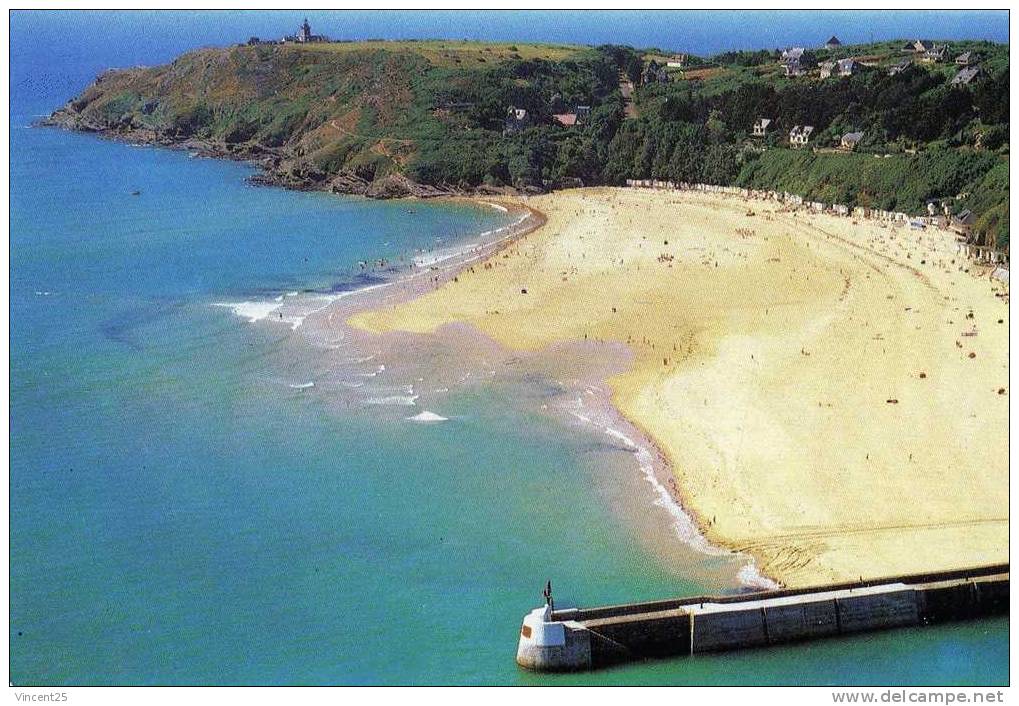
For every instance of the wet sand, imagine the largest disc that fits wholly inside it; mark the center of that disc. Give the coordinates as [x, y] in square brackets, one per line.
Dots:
[831, 397]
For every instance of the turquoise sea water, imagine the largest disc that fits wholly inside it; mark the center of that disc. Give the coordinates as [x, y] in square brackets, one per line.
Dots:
[181, 513]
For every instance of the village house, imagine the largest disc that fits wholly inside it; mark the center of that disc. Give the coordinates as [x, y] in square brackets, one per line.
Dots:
[832, 43]
[580, 116]
[517, 120]
[304, 35]
[899, 67]
[962, 223]
[793, 67]
[848, 67]
[919, 46]
[827, 68]
[676, 62]
[967, 58]
[761, 127]
[792, 60]
[850, 140]
[936, 54]
[799, 136]
[964, 218]
[966, 76]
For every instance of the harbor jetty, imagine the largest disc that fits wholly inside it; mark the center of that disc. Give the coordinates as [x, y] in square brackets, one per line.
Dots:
[575, 639]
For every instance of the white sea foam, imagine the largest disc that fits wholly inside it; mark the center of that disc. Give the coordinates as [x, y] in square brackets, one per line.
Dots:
[373, 373]
[396, 400]
[427, 416]
[252, 311]
[296, 310]
[302, 385]
[750, 577]
[496, 206]
[478, 249]
[685, 527]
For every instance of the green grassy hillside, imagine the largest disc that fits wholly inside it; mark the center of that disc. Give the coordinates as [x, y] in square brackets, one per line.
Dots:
[345, 115]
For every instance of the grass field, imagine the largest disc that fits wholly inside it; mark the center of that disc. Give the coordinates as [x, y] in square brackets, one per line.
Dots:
[442, 52]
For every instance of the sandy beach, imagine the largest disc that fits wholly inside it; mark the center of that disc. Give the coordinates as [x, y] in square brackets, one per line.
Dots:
[832, 396]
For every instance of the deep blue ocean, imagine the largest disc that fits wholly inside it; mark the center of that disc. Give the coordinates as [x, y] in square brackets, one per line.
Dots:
[184, 510]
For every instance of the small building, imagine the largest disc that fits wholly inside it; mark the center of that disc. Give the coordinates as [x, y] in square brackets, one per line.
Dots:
[799, 136]
[832, 43]
[761, 127]
[676, 62]
[847, 67]
[517, 120]
[936, 54]
[827, 69]
[793, 67]
[899, 67]
[966, 76]
[850, 140]
[967, 58]
[962, 223]
[793, 61]
[304, 35]
[580, 116]
[919, 46]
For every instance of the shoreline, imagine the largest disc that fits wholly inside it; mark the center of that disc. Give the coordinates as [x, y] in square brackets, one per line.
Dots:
[445, 269]
[266, 161]
[428, 272]
[785, 252]
[650, 460]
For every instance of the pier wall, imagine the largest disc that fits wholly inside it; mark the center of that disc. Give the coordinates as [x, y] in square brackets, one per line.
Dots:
[688, 626]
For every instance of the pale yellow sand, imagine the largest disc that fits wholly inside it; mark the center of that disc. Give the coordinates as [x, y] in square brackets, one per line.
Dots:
[810, 379]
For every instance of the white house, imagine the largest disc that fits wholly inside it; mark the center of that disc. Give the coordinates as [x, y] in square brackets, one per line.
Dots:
[967, 58]
[936, 54]
[761, 127]
[799, 136]
[850, 140]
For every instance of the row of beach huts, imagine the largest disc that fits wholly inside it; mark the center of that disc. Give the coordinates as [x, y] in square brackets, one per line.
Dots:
[961, 225]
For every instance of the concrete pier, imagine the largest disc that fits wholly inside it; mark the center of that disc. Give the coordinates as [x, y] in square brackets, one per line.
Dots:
[578, 638]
